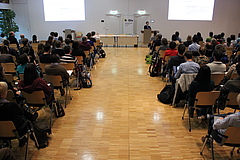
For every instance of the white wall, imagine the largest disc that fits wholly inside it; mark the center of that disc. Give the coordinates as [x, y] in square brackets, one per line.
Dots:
[30, 17]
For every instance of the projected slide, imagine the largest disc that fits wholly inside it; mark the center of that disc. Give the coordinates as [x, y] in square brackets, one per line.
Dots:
[201, 10]
[62, 10]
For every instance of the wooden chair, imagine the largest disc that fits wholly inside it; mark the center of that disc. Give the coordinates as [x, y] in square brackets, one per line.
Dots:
[35, 47]
[42, 66]
[37, 99]
[9, 131]
[231, 138]
[11, 96]
[80, 59]
[231, 101]
[57, 82]
[9, 78]
[217, 78]
[202, 99]
[161, 53]
[9, 68]
[14, 46]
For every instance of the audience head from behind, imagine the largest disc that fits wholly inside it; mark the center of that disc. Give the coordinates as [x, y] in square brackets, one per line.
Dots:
[202, 51]
[25, 41]
[164, 41]
[69, 36]
[195, 38]
[93, 33]
[75, 45]
[84, 39]
[220, 47]
[55, 34]
[55, 58]
[177, 33]
[233, 37]
[23, 59]
[181, 49]
[47, 48]
[30, 74]
[67, 50]
[204, 75]
[58, 44]
[67, 41]
[88, 35]
[60, 38]
[217, 54]
[188, 55]
[22, 36]
[159, 36]
[172, 45]
[3, 90]
[189, 38]
[4, 49]
[211, 34]
[6, 42]
[174, 37]
[11, 33]
[52, 34]
[34, 39]
[3, 35]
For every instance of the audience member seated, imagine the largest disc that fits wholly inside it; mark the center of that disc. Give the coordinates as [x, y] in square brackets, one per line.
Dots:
[12, 39]
[60, 38]
[220, 125]
[5, 57]
[177, 60]
[58, 49]
[46, 56]
[209, 39]
[34, 39]
[69, 36]
[202, 83]
[32, 82]
[174, 39]
[89, 35]
[178, 38]
[21, 38]
[3, 79]
[23, 61]
[187, 67]
[50, 42]
[12, 112]
[194, 47]
[40, 50]
[2, 38]
[56, 69]
[27, 49]
[164, 45]
[67, 43]
[92, 38]
[84, 45]
[217, 67]
[209, 49]
[171, 51]
[229, 86]
[157, 42]
[199, 35]
[67, 57]
[202, 59]
[11, 51]
[188, 42]
[76, 51]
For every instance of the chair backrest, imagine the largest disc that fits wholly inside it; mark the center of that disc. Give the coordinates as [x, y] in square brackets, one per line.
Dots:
[35, 47]
[14, 46]
[54, 79]
[35, 98]
[87, 53]
[9, 78]
[6, 129]
[233, 134]
[232, 99]
[68, 66]
[10, 96]
[206, 98]
[21, 76]
[161, 53]
[167, 58]
[80, 59]
[9, 67]
[217, 78]
[42, 66]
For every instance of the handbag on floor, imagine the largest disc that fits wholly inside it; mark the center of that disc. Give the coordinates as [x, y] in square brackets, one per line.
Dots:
[59, 110]
[166, 95]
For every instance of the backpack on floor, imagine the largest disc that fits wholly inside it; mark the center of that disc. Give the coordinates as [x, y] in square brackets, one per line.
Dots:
[166, 95]
[85, 79]
[102, 53]
[41, 131]
[59, 110]
[148, 59]
[155, 67]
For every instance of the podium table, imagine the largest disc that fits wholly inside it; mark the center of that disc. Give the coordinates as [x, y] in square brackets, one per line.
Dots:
[119, 40]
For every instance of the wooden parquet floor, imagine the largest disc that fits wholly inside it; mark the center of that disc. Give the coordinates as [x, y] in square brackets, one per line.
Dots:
[120, 118]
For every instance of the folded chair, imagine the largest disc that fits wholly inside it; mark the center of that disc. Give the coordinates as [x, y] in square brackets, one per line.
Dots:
[202, 99]
[8, 132]
[231, 138]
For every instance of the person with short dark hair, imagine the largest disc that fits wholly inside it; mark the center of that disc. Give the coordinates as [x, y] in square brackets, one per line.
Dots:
[56, 69]
[11, 51]
[217, 67]
[34, 39]
[5, 56]
[209, 39]
[46, 56]
[164, 46]
[76, 51]
[84, 45]
[194, 47]
[201, 59]
[23, 61]
[2, 38]
[12, 39]
[58, 49]
[171, 51]
[188, 42]
[27, 48]
[187, 67]
[146, 26]
[178, 38]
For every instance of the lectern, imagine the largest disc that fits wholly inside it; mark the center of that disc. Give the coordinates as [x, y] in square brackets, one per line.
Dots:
[70, 31]
[146, 35]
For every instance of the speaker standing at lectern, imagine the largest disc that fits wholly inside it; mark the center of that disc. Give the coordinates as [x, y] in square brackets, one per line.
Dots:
[147, 26]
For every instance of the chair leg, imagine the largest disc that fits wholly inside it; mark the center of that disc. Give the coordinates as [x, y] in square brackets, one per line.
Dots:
[211, 143]
[189, 119]
[184, 110]
[204, 144]
[26, 152]
[231, 153]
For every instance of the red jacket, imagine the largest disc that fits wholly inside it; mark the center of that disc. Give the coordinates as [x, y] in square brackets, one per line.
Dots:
[170, 52]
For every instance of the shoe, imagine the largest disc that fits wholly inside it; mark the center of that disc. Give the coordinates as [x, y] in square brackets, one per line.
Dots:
[22, 142]
[62, 92]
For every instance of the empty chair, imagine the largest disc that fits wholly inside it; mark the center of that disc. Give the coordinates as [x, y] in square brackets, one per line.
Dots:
[9, 68]
[217, 78]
